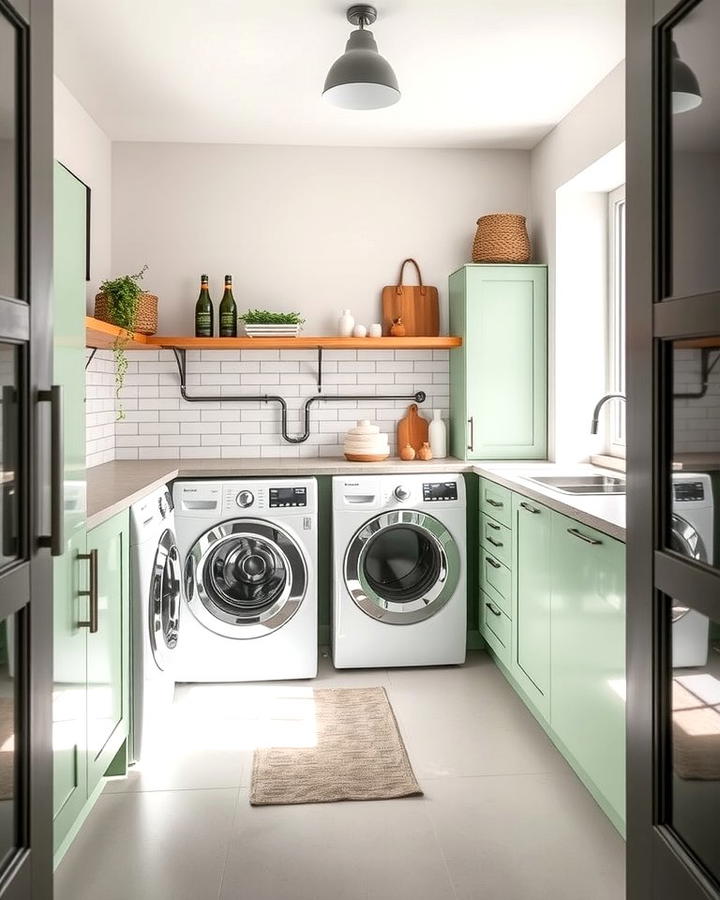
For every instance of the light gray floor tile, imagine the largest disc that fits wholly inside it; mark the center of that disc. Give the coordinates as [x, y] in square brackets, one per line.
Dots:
[526, 837]
[381, 850]
[150, 846]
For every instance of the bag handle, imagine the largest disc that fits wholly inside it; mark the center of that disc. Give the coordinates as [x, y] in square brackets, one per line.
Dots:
[398, 288]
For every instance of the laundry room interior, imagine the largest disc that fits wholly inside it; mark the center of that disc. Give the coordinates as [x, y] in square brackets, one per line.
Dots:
[338, 448]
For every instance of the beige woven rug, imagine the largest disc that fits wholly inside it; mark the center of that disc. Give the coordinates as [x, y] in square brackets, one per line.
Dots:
[358, 754]
[696, 733]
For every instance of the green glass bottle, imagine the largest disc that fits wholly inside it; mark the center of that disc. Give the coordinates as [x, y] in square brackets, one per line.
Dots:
[228, 311]
[204, 313]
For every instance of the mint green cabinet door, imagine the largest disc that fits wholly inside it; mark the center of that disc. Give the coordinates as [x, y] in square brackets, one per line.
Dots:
[500, 412]
[70, 571]
[587, 691]
[532, 567]
[108, 655]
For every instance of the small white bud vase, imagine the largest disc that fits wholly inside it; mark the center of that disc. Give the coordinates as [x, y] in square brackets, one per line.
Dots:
[346, 323]
[437, 435]
[359, 331]
[375, 330]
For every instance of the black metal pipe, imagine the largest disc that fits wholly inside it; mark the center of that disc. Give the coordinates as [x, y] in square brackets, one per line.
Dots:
[417, 397]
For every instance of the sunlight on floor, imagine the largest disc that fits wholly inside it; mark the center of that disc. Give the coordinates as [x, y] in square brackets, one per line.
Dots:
[233, 717]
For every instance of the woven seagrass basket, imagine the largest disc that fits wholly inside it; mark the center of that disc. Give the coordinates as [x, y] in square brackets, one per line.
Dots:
[501, 237]
[147, 312]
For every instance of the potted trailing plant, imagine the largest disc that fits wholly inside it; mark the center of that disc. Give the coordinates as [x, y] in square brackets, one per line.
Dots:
[119, 301]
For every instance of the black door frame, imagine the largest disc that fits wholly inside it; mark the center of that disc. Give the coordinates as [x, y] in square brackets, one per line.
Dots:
[660, 866]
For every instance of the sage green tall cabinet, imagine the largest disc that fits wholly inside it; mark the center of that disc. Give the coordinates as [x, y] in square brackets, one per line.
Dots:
[91, 590]
[498, 378]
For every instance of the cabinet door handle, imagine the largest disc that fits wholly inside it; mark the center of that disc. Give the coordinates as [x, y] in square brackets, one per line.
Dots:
[530, 509]
[495, 565]
[494, 543]
[492, 525]
[55, 540]
[92, 622]
[496, 503]
[493, 610]
[583, 537]
[471, 442]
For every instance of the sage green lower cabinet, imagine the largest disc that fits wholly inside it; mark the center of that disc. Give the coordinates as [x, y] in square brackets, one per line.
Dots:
[532, 535]
[561, 640]
[498, 378]
[92, 671]
[587, 707]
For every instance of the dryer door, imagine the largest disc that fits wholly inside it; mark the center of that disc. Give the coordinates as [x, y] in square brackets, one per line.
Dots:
[402, 567]
[164, 600]
[685, 539]
[245, 578]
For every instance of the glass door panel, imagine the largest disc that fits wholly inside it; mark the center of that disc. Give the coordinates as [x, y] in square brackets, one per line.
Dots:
[9, 218]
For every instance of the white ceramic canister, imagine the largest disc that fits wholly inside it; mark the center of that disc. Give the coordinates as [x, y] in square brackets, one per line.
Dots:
[437, 435]
[359, 331]
[346, 323]
[375, 330]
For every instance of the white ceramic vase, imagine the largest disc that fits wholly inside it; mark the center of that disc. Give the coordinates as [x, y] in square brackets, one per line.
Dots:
[346, 323]
[437, 435]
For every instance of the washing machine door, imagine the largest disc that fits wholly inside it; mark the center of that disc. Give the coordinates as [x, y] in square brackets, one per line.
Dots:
[402, 567]
[164, 600]
[685, 539]
[245, 578]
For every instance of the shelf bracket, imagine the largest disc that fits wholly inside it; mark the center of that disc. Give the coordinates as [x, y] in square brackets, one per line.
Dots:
[319, 370]
[181, 361]
[91, 357]
[705, 373]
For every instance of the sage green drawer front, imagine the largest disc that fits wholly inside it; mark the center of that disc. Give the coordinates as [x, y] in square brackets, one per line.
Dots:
[496, 501]
[496, 628]
[496, 538]
[496, 580]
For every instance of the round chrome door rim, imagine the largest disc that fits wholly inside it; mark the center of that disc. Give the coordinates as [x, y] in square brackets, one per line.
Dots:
[693, 546]
[257, 623]
[166, 556]
[393, 612]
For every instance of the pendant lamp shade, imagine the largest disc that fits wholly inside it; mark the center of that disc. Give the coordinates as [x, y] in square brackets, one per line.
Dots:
[361, 78]
[685, 88]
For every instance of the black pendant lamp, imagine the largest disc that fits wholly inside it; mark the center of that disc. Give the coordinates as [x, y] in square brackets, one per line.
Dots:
[685, 88]
[361, 78]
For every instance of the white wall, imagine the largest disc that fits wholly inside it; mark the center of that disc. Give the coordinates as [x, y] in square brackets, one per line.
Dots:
[82, 147]
[593, 129]
[312, 229]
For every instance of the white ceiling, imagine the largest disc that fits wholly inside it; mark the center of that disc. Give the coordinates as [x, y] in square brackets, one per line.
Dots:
[473, 73]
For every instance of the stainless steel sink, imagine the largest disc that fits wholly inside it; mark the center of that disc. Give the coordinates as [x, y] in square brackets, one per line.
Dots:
[583, 484]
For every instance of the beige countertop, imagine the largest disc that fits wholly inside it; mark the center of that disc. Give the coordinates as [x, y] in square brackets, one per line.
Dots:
[604, 512]
[115, 486]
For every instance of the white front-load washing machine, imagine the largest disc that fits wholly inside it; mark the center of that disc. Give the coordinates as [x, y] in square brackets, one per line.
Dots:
[249, 555]
[692, 534]
[399, 570]
[155, 605]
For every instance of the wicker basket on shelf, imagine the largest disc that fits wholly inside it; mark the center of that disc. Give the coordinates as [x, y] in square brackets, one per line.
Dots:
[147, 312]
[500, 238]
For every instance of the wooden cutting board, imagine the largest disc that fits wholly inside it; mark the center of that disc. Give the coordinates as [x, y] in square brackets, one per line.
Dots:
[417, 306]
[412, 429]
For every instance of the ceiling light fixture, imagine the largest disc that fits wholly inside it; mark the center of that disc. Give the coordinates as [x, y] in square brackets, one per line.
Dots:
[685, 88]
[361, 78]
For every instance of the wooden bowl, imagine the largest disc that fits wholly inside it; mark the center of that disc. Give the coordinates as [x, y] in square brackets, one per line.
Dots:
[366, 457]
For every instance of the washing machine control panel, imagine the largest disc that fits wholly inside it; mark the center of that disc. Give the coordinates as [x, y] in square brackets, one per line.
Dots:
[245, 499]
[288, 496]
[688, 491]
[439, 491]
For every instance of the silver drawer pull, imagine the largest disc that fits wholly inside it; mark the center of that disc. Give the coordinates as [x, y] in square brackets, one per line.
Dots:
[493, 526]
[495, 565]
[496, 503]
[493, 610]
[530, 509]
[494, 543]
[583, 537]
[471, 442]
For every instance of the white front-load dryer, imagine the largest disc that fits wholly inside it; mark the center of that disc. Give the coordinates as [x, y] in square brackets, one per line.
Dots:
[692, 534]
[249, 555]
[399, 570]
[155, 606]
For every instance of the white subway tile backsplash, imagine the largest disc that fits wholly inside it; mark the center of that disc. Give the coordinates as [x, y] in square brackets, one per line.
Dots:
[160, 424]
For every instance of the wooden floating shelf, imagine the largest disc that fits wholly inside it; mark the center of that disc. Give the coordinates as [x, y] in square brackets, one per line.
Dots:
[101, 335]
[706, 343]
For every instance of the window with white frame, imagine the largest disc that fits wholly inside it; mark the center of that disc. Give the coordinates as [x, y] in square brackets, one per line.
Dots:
[616, 320]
